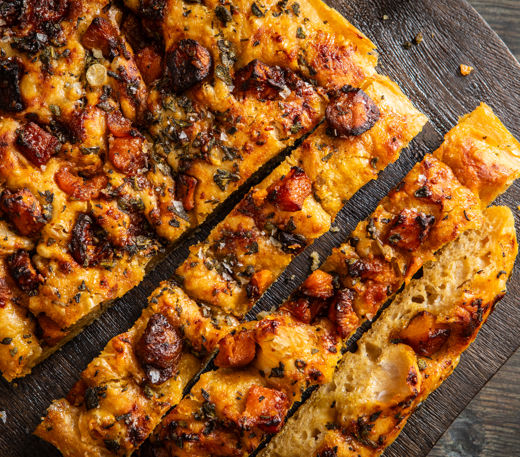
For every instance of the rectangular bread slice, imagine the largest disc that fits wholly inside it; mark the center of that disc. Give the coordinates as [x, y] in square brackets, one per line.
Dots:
[414, 345]
[136, 160]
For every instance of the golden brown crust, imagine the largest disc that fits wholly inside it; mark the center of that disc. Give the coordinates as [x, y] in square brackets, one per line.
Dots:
[92, 125]
[299, 345]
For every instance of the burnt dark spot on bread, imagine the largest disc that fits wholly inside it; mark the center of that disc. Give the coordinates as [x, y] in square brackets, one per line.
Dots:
[24, 272]
[185, 186]
[87, 245]
[341, 312]
[409, 229]
[263, 82]
[159, 349]
[103, 35]
[350, 112]
[188, 63]
[10, 96]
[24, 210]
[37, 145]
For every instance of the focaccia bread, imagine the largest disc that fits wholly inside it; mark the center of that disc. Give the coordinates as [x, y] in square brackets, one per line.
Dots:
[409, 351]
[280, 355]
[265, 365]
[285, 200]
[120, 130]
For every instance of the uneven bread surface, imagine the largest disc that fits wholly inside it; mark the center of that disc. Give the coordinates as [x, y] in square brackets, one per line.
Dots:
[280, 355]
[409, 351]
[298, 346]
[120, 130]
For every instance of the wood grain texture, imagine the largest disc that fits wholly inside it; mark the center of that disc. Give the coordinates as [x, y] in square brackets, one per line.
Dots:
[428, 73]
[490, 425]
[503, 16]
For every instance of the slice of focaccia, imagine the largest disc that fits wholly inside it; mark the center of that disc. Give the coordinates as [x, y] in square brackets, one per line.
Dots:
[409, 351]
[279, 356]
[120, 129]
[234, 261]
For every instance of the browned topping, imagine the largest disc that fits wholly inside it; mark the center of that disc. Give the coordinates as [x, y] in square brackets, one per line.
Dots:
[159, 349]
[342, 313]
[305, 309]
[188, 63]
[328, 452]
[36, 144]
[258, 283]
[290, 192]
[45, 11]
[318, 285]
[103, 35]
[375, 268]
[185, 186]
[265, 408]
[24, 273]
[424, 334]
[10, 95]
[236, 350]
[23, 210]
[118, 125]
[351, 112]
[259, 80]
[127, 154]
[79, 187]
[85, 247]
[409, 229]
[291, 242]
[149, 62]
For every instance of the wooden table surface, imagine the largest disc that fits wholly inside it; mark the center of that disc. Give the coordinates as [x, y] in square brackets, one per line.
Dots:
[490, 424]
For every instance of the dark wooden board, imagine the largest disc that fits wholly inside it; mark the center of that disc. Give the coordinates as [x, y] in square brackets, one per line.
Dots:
[428, 73]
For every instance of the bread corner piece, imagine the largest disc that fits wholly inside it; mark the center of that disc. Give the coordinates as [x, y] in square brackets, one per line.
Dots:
[414, 345]
[484, 156]
[122, 394]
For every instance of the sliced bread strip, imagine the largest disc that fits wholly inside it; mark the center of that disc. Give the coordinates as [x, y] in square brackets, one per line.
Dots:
[414, 345]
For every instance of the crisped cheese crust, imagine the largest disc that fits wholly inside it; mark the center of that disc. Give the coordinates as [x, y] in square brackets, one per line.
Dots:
[375, 389]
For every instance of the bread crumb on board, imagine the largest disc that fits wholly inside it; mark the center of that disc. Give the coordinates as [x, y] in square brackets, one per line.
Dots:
[465, 70]
[315, 260]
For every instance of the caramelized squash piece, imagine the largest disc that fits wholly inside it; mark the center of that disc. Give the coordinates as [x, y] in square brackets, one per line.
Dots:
[290, 192]
[236, 350]
[424, 334]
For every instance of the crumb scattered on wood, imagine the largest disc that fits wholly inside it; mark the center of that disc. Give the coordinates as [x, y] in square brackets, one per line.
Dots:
[465, 70]
[315, 260]
[415, 41]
